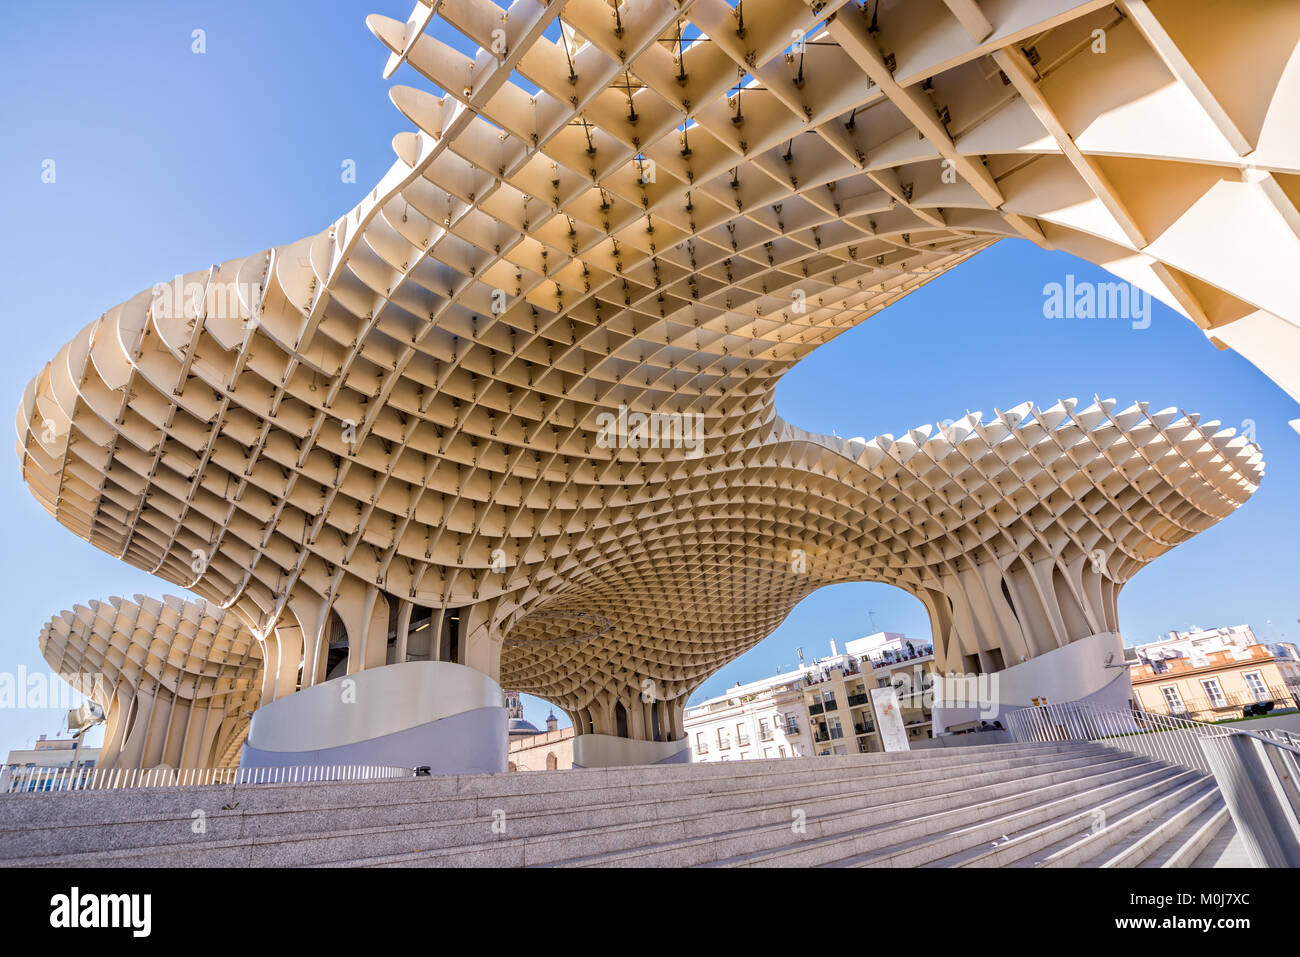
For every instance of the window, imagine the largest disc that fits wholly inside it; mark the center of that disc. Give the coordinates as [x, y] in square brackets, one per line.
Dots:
[781, 750]
[764, 730]
[1173, 700]
[836, 730]
[742, 735]
[701, 746]
[1256, 685]
[829, 698]
[1215, 693]
[724, 739]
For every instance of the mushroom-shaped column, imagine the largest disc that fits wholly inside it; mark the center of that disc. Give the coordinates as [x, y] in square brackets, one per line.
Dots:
[177, 679]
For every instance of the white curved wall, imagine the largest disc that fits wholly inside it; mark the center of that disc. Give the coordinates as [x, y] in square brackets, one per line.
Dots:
[377, 702]
[447, 717]
[609, 751]
[1073, 672]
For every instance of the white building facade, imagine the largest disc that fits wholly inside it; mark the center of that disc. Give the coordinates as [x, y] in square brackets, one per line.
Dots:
[762, 719]
[823, 707]
[1196, 645]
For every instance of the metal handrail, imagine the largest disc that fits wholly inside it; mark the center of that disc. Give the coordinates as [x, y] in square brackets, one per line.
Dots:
[1285, 737]
[1260, 785]
[1160, 736]
[19, 780]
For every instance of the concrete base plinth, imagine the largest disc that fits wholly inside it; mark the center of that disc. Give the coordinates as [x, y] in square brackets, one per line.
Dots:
[422, 713]
[1091, 669]
[609, 751]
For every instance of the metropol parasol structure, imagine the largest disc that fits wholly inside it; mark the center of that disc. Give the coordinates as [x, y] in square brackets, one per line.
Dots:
[510, 421]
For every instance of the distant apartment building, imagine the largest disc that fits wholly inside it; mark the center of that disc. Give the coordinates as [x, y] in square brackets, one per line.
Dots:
[762, 719]
[49, 757]
[54, 753]
[822, 708]
[1214, 674]
[908, 666]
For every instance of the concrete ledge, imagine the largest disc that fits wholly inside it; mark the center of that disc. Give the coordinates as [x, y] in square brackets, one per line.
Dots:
[467, 743]
[972, 740]
[609, 751]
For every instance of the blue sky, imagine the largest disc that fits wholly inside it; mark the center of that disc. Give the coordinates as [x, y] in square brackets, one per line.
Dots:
[168, 161]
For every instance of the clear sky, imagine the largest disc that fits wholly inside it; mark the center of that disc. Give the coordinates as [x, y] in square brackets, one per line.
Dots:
[167, 161]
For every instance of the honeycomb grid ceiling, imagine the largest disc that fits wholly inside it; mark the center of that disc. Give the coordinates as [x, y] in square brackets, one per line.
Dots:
[660, 206]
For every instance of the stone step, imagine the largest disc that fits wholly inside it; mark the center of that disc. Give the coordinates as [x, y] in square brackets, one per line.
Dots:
[1153, 827]
[1185, 846]
[704, 834]
[1225, 849]
[409, 802]
[1096, 843]
[1072, 839]
[580, 823]
[968, 835]
[22, 811]
[1048, 839]
[995, 805]
[831, 827]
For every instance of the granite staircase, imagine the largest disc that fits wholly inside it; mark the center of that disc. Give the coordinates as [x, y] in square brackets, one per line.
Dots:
[1064, 804]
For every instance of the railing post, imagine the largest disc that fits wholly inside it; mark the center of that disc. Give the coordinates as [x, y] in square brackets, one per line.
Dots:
[1261, 796]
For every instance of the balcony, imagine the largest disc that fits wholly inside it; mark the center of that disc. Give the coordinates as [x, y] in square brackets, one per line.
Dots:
[765, 735]
[742, 741]
[858, 700]
[815, 708]
[888, 660]
[1228, 706]
[791, 728]
[701, 749]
